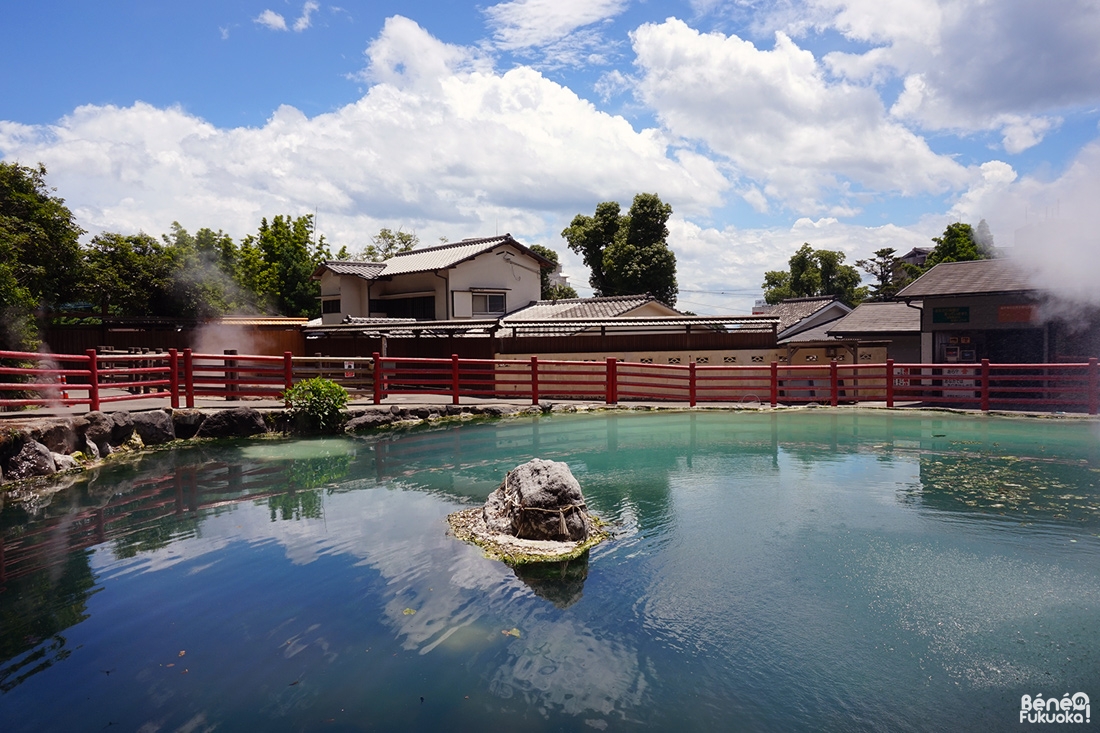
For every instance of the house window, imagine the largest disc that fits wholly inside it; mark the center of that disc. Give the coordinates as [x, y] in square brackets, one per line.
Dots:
[330, 306]
[488, 304]
[420, 308]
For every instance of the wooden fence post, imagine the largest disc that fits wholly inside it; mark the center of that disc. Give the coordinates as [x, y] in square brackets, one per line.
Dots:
[93, 379]
[454, 379]
[691, 383]
[775, 383]
[377, 378]
[889, 382]
[534, 380]
[612, 377]
[985, 385]
[288, 374]
[1094, 397]
[189, 377]
[174, 378]
[834, 384]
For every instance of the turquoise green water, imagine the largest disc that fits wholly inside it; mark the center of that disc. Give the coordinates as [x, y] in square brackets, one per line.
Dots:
[824, 570]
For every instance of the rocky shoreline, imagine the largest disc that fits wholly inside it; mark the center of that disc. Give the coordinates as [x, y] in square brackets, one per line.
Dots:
[37, 448]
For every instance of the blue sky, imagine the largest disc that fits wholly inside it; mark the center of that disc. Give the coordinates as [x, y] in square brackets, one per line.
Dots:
[849, 124]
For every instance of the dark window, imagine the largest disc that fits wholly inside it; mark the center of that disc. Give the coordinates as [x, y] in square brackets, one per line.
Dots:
[422, 309]
[330, 306]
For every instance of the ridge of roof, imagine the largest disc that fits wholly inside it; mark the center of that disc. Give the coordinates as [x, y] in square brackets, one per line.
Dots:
[461, 243]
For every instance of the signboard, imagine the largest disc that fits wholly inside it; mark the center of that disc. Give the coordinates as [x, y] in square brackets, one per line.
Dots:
[951, 378]
[1015, 314]
[951, 314]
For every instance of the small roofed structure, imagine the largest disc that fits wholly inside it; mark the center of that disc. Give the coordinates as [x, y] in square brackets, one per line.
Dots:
[801, 314]
[896, 322]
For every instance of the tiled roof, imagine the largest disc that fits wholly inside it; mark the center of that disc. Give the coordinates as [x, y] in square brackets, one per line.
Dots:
[426, 259]
[443, 256]
[978, 277]
[580, 308]
[793, 310]
[878, 318]
[817, 333]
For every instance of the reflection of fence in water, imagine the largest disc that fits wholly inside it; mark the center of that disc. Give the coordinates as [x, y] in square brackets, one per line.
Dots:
[177, 496]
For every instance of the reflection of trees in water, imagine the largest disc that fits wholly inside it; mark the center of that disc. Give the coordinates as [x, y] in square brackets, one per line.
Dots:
[34, 610]
[137, 506]
[1028, 489]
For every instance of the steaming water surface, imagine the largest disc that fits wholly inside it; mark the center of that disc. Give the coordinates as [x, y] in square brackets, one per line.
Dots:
[837, 570]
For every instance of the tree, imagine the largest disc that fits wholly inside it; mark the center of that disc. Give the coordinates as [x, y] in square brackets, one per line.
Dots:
[551, 291]
[956, 244]
[41, 234]
[983, 238]
[128, 275]
[280, 261]
[627, 255]
[885, 268]
[388, 243]
[204, 277]
[814, 273]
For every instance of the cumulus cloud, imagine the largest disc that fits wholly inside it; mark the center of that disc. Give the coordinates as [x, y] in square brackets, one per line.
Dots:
[271, 20]
[721, 270]
[969, 64]
[781, 122]
[441, 143]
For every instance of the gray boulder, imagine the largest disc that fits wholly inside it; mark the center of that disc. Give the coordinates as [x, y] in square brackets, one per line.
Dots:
[539, 500]
[59, 437]
[368, 421]
[155, 427]
[98, 432]
[186, 423]
[239, 422]
[34, 459]
[64, 462]
[122, 427]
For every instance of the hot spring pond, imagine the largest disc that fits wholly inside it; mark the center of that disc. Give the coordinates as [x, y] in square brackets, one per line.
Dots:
[805, 570]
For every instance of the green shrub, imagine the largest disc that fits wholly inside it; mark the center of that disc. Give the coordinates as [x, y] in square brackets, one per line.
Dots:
[315, 404]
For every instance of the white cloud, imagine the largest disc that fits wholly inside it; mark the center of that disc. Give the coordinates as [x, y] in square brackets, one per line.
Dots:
[304, 21]
[781, 122]
[535, 23]
[271, 20]
[441, 144]
[729, 263]
[972, 64]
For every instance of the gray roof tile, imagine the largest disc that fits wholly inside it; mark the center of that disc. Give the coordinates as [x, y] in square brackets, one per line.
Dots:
[977, 277]
[878, 318]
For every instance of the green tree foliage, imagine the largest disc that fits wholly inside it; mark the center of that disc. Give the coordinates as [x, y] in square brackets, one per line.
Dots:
[205, 273]
[956, 244]
[278, 264]
[41, 231]
[39, 252]
[388, 243]
[814, 272]
[886, 269]
[627, 255]
[129, 275]
[315, 404]
[549, 291]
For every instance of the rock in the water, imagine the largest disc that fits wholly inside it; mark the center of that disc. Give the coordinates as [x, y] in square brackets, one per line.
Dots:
[155, 427]
[539, 500]
[368, 420]
[59, 437]
[122, 427]
[187, 423]
[64, 462]
[240, 422]
[34, 459]
[98, 432]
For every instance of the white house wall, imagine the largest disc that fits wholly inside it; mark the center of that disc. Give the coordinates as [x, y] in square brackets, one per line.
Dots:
[518, 281]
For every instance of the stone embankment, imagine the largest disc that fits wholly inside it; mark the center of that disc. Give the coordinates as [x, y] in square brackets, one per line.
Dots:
[37, 447]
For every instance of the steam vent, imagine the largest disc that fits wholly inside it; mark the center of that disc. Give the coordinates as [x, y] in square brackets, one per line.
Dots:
[537, 514]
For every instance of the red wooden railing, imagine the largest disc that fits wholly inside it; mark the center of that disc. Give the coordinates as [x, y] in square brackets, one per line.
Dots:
[93, 380]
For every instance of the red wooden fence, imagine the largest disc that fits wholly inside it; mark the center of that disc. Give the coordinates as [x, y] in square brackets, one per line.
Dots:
[94, 380]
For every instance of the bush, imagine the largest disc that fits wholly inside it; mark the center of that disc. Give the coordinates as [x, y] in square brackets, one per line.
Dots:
[315, 404]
